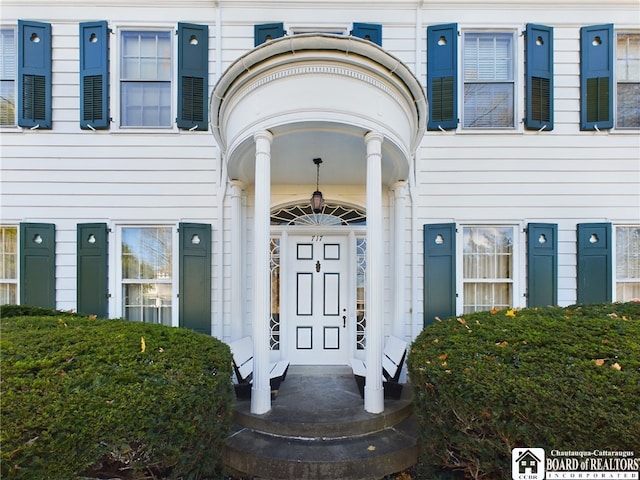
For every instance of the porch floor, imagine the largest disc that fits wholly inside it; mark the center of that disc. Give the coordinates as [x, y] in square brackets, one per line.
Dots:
[317, 428]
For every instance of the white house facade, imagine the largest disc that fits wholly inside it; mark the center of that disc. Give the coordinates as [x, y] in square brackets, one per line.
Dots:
[159, 159]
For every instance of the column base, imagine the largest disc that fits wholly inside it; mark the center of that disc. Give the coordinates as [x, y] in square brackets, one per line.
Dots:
[260, 400]
[373, 399]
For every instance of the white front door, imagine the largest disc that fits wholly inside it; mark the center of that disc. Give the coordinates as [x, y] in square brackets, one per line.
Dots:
[318, 307]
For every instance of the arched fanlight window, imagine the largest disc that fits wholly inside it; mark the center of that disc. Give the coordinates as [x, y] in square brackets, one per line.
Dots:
[331, 214]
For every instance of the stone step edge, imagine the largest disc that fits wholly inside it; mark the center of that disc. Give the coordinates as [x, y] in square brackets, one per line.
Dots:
[366, 465]
[337, 429]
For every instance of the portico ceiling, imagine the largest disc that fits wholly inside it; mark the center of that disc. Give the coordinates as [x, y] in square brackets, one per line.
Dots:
[318, 95]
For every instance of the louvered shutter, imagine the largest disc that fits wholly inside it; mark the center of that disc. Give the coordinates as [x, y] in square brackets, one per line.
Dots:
[368, 31]
[596, 77]
[542, 264]
[539, 67]
[267, 31]
[91, 273]
[594, 263]
[439, 271]
[37, 265]
[193, 76]
[94, 76]
[442, 76]
[34, 74]
[195, 276]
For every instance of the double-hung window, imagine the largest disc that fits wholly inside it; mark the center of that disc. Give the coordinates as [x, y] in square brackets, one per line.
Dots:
[8, 63]
[145, 79]
[489, 80]
[627, 263]
[628, 80]
[487, 267]
[146, 254]
[8, 265]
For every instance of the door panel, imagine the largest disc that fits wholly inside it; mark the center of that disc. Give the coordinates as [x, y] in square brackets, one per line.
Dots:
[318, 330]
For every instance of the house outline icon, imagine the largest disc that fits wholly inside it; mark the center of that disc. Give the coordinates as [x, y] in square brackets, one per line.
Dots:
[528, 460]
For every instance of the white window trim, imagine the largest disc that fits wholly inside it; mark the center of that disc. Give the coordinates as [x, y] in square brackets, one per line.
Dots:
[616, 129]
[15, 281]
[518, 81]
[116, 304]
[15, 127]
[518, 299]
[114, 78]
[299, 28]
[614, 245]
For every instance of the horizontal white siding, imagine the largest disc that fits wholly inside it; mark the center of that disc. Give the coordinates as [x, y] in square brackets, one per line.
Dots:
[68, 176]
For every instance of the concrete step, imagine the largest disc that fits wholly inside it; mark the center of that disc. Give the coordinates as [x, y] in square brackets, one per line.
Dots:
[254, 454]
[317, 429]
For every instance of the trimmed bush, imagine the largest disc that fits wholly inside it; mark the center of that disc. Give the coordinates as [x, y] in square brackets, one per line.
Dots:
[111, 398]
[553, 378]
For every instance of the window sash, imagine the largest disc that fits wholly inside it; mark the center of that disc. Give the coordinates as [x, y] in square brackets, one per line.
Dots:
[628, 80]
[489, 80]
[487, 267]
[627, 268]
[145, 79]
[8, 75]
[147, 274]
[8, 265]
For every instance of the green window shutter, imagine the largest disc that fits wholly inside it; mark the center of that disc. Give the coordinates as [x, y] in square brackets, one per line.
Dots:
[267, 31]
[439, 271]
[193, 76]
[38, 265]
[596, 77]
[92, 286]
[195, 277]
[94, 76]
[442, 76]
[34, 74]
[594, 263]
[539, 77]
[542, 264]
[368, 31]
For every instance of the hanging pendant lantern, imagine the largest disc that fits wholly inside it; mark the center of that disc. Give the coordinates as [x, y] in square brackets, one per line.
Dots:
[317, 201]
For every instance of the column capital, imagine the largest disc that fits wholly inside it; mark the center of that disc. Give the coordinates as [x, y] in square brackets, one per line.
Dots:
[372, 136]
[263, 135]
[237, 187]
[400, 188]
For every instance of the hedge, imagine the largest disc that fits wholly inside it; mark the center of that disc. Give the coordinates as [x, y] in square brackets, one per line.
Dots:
[552, 378]
[85, 397]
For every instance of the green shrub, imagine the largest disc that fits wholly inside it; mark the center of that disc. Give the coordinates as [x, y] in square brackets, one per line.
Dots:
[553, 378]
[87, 397]
[30, 311]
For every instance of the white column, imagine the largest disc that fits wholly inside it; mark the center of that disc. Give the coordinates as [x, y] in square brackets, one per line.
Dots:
[400, 191]
[373, 391]
[261, 390]
[237, 261]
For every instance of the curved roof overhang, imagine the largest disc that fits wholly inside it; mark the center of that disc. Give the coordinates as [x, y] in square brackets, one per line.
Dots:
[318, 94]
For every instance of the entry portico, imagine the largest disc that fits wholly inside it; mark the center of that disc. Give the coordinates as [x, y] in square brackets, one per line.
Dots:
[318, 95]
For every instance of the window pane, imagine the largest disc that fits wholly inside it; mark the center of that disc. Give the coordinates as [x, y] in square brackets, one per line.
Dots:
[7, 76]
[628, 101]
[627, 263]
[146, 104]
[488, 57]
[488, 105]
[487, 256]
[146, 253]
[8, 265]
[488, 72]
[146, 79]
[628, 80]
[147, 302]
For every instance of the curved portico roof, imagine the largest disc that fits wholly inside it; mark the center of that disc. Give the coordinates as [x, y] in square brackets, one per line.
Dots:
[318, 94]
